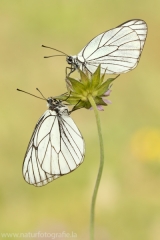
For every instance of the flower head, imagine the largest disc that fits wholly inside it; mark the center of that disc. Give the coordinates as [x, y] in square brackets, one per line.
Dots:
[79, 90]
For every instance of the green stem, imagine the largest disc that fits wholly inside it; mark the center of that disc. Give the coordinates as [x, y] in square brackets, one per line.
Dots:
[92, 102]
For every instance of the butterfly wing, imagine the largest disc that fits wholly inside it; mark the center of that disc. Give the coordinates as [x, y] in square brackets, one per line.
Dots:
[117, 50]
[52, 150]
[65, 147]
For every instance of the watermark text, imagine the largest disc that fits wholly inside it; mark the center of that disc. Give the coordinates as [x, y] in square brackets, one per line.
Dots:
[39, 234]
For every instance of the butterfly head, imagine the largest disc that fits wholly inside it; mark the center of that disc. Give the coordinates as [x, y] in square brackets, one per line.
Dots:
[52, 103]
[70, 60]
[73, 61]
[56, 105]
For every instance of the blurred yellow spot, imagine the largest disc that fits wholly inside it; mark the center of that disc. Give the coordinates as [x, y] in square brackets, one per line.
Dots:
[145, 144]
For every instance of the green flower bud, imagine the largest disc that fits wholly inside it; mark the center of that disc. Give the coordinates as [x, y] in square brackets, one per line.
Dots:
[79, 90]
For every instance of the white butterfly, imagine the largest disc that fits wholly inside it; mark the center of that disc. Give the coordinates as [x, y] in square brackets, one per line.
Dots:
[56, 147]
[117, 50]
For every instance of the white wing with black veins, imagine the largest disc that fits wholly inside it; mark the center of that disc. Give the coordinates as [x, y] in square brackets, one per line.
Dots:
[117, 50]
[56, 148]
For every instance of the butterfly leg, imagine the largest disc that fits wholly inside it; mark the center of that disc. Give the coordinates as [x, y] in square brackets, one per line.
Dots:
[72, 69]
[74, 108]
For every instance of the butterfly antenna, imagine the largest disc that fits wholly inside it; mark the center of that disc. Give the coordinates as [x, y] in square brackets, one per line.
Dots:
[31, 94]
[54, 56]
[55, 50]
[41, 94]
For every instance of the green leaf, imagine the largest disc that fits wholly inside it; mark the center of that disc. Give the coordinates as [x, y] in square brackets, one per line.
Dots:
[77, 86]
[82, 104]
[72, 101]
[102, 77]
[79, 105]
[62, 97]
[84, 79]
[96, 79]
[76, 95]
[105, 86]
[101, 90]
[99, 101]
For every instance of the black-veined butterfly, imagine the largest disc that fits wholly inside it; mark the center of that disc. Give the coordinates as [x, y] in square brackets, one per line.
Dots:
[56, 147]
[117, 50]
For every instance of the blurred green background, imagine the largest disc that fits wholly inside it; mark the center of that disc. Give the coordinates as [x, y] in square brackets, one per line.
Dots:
[128, 203]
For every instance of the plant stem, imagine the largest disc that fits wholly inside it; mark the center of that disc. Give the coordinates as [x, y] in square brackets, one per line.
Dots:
[92, 102]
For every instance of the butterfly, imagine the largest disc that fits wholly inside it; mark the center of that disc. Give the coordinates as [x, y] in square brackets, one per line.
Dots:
[117, 50]
[56, 147]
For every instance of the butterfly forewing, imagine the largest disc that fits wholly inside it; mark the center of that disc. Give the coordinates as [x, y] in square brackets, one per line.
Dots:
[56, 148]
[117, 50]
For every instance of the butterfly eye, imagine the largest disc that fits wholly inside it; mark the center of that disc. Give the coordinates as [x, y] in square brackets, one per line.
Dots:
[69, 60]
[50, 100]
